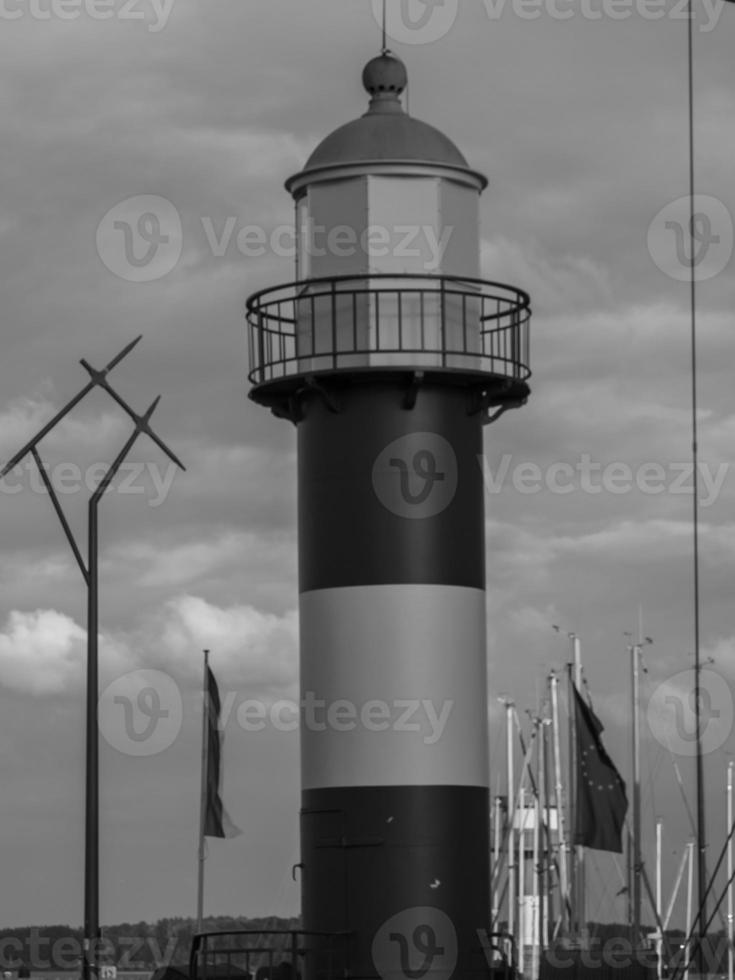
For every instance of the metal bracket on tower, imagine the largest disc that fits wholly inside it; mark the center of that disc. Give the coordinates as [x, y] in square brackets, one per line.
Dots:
[489, 419]
[409, 399]
[291, 407]
[513, 394]
[329, 400]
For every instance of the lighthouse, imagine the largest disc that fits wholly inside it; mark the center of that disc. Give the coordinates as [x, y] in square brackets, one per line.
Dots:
[389, 354]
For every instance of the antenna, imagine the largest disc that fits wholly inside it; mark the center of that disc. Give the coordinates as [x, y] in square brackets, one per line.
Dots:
[384, 49]
[90, 961]
[699, 771]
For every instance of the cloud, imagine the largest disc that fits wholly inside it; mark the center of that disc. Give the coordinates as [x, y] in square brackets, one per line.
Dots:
[556, 282]
[25, 417]
[44, 652]
[256, 649]
[41, 652]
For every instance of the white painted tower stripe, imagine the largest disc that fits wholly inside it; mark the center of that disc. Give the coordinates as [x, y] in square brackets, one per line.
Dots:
[393, 687]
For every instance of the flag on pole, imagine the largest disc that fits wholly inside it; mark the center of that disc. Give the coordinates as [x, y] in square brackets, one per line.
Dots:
[217, 822]
[601, 802]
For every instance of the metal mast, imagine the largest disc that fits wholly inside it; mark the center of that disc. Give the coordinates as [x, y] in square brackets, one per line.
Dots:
[91, 580]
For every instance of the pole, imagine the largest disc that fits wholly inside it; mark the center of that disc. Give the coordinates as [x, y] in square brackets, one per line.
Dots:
[701, 829]
[522, 937]
[559, 792]
[91, 579]
[659, 940]
[92, 804]
[511, 818]
[635, 652]
[571, 760]
[581, 903]
[497, 823]
[629, 875]
[537, 872]
[546, 890]
[689, 923]
[203, 794]
[675, 890]
[729, 876]
[91, 809]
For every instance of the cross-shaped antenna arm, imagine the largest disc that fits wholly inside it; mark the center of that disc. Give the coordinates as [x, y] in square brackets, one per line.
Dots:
[61, 515]
[141, 425]
[97, 378]
[141, 422]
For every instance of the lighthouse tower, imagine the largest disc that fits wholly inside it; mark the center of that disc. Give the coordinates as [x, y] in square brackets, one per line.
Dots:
[389, 353]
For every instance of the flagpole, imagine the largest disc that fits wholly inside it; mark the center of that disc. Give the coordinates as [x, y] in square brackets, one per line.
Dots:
[635, 694]
[203, 794]
[581, 881]
[559, 794]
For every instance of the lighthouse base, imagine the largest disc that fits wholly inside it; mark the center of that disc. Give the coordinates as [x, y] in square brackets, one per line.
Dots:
[400, 871]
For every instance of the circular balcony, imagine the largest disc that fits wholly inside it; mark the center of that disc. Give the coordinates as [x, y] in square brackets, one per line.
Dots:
[470, 332]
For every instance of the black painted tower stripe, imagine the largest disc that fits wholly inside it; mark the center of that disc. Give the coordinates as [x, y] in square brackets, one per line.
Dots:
[373, 855]
[390, 495]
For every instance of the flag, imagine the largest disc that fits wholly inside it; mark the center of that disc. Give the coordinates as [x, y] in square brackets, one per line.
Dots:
[601, 802]
[217, 822]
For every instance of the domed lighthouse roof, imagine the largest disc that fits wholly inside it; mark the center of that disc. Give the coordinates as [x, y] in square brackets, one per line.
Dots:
[385, 137]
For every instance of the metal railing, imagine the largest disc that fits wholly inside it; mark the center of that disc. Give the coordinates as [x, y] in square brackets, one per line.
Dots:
[356, 323]
[267, 954]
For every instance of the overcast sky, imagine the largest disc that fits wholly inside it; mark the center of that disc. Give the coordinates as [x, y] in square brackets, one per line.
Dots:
[577, 114]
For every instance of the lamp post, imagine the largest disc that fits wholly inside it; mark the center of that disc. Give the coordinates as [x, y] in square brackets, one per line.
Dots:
[90, 575]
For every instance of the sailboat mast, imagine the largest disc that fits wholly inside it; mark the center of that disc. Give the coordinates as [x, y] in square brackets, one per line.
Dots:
[497, 828]
[635, 652]
[539, 861]
[559, 793]
[509, 706]
[521, 931]
[689, 920]
[729, 875]
[659, 901]
[576, 874]
[581, 904]
[572, 784]
[535, 890]
[546, 890]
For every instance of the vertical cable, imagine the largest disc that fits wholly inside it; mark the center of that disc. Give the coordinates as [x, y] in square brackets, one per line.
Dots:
[701, 834]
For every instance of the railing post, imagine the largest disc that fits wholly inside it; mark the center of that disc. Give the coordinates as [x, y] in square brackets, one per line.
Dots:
[261, 353]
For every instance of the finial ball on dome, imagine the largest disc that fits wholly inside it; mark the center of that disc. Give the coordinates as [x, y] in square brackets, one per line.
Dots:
[386, 73]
